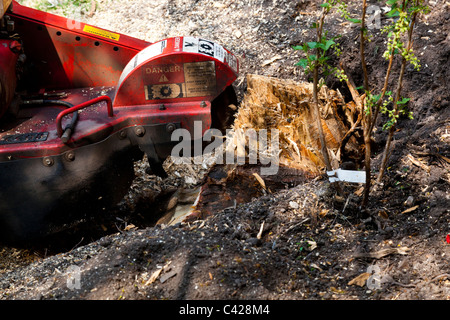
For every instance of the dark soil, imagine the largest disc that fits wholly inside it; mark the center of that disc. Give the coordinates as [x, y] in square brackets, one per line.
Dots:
[313, 242]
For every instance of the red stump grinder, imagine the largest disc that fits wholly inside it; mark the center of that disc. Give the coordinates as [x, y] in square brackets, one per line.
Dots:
[80, 104]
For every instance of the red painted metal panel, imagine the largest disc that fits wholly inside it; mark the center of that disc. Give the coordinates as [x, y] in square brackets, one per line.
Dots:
[63, 55]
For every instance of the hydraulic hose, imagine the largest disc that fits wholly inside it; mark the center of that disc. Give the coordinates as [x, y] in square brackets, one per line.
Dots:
[69, 128]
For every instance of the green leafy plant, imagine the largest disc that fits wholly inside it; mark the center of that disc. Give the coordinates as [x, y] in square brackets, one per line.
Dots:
[316, 62]
[323, 47]
[369, 104]
[405, 12]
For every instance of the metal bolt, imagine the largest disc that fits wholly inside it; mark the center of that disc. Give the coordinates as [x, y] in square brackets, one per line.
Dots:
[170, 127]
[162, 107]
[139, 131]
[70, 156]
[203, 104]
[122, 134]
[48, 162]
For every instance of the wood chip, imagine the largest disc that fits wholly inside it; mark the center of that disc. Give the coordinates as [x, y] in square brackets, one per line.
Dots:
[272, 60]
[359, 191]
[154, 276]
[418, 163]
[260, 231]
[260, 180]
[410, 209]
[130, 227]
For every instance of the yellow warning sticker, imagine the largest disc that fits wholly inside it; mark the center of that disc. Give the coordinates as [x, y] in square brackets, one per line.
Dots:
[101, 33]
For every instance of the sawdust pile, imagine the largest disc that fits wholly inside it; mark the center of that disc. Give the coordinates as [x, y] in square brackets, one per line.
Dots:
[287, 106]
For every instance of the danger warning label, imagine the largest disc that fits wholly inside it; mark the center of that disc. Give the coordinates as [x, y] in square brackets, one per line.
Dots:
[157, 74]
[164, 91]
[193, 79]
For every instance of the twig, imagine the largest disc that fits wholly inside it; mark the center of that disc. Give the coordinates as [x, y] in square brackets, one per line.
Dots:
[382, 253]
[362, 46]
[413, 285]
[82, 238]
[296, 225]
[439, 276]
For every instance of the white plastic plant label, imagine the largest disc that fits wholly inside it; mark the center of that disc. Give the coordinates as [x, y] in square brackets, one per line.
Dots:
[347, 176]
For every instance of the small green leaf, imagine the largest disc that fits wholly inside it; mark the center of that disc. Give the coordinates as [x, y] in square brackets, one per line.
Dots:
[328, 44]
[322, 60]
[393, 13]
[325, 5]
[376, 97]
[354, 20]
[313, 45]
[404, 101]
[302, 63]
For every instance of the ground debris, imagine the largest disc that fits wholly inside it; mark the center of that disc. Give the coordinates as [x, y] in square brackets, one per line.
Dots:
[383, 252]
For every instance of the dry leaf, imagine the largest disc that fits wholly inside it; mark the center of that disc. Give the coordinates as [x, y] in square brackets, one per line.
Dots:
[323, 212]
[360, 280]
[410, 209]
[311, 245]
